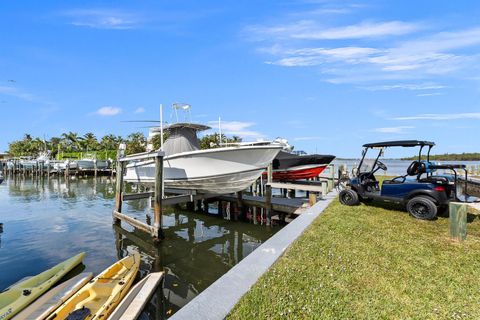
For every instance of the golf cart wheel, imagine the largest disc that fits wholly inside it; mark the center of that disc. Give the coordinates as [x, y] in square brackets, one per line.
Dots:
[348, 197]
[422, 208]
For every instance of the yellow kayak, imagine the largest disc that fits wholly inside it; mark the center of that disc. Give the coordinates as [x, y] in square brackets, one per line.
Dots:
[98, 298]
[21, 294]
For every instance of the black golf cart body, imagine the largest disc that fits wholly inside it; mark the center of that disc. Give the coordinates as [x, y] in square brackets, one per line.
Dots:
[421, 190]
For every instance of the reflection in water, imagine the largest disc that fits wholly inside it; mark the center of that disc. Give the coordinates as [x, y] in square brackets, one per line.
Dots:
[49, 220]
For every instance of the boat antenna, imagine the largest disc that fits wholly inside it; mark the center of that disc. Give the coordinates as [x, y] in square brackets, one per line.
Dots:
[220, 131]
[161, 127]
[186, 109]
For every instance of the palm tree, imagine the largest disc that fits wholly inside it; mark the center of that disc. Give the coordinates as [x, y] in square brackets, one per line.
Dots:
[72, 140]
[110, 142]
[136, 142]
[89, 142]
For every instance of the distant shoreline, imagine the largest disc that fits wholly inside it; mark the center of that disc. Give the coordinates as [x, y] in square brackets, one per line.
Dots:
[436, 157]
[451, 157]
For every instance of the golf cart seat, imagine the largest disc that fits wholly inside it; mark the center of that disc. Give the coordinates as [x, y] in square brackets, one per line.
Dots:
[416, 168]
[435, 179]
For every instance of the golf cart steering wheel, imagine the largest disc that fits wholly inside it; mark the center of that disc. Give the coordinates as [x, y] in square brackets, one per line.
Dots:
[381, 165]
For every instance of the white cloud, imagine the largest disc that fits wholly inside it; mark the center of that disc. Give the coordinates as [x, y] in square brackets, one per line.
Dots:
[102, 18]
[238, 128]
[407, 86]
[395, 130]
[140, 110]
[311, 30]
[17, 93]
[429, 94]
[108, 111]
[442, 116]
[306, 43]
[317, 56]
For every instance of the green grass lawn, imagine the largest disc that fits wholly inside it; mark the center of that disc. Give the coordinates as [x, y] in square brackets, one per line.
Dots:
[371, 262]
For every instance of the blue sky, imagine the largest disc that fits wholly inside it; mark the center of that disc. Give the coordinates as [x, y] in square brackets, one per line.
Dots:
[327, 75]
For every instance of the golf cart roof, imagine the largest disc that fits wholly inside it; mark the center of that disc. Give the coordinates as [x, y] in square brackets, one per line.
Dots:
[400, 143]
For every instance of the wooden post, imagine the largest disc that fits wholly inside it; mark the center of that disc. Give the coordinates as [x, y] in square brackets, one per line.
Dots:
[324, 189]
[67, 169]
[157, 216]
[331, 177]
[458, 220]
[291, 193]
[268, 195]
[254, 209]
[198, 206]
[312, 199]
[240, 205]
[119, 182]
[220, 208]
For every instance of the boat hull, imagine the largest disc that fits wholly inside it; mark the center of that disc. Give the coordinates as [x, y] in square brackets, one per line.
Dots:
[87, 164]
[103, 293]
[298, 172]
[213, 171]
[14, 298]
[290, 167]
[52, 299]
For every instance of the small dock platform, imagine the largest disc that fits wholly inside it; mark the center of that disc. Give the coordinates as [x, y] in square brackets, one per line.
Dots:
[291, 206]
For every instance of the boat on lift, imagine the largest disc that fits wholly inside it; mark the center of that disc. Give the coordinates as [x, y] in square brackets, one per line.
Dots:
[291, 165]
[211, 171]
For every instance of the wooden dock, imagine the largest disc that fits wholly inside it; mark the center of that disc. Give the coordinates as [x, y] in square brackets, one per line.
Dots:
[291, 206]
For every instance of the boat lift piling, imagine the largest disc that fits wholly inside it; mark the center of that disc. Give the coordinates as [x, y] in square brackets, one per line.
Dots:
[155, 230]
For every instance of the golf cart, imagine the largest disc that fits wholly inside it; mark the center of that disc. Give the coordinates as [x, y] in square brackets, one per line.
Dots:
[423, 192]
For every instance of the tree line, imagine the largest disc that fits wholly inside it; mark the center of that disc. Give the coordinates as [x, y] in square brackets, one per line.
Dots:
[474, 156]
[72, 142]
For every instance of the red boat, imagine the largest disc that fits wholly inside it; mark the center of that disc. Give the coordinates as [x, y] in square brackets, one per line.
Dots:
[293, 166]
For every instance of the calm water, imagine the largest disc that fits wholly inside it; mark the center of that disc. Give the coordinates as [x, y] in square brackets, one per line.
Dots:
[47, 221]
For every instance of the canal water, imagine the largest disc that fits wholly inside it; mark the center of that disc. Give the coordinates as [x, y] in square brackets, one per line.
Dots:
[45, 221]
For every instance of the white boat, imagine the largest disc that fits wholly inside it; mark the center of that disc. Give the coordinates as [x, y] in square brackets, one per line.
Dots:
[62, 165]
[213, 171]
[88, 163]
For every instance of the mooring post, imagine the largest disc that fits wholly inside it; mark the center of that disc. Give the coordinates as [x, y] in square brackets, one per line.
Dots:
[331, 177]
[220, 208]
[458, 220]
[254, 209]
[312, 199]
[119, 182]
[239, 205]
[157, 213]
[324, 189]
[291, 193]
[268, 195]
[67, 169]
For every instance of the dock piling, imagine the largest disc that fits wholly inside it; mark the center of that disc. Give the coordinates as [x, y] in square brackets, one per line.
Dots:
[458, 220]
[157, 218]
